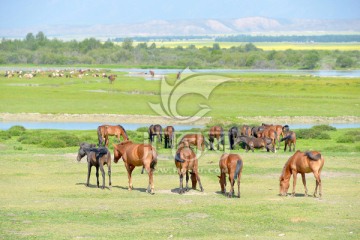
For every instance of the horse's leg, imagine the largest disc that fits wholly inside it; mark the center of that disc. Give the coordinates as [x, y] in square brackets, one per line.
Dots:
[88, 175]
[129, 170]
[150, 188]
[181, 175]
[102, 174]
[304, 182]
[187, 181]
[238, 182]
[231, 180]
[318, 184]
[294, 182]
[109, 173]
[198, 179]
[97, 176]
[285, 146]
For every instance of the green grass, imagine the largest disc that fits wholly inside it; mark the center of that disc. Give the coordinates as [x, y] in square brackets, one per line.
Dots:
[43, 196]
[242, 95]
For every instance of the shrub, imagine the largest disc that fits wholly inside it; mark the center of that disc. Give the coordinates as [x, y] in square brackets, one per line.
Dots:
[5, 135]
[30, 139]
[322, 136]
[324, 128]
[54, 143]
[69, 139]
[346, 139]
[16, 130]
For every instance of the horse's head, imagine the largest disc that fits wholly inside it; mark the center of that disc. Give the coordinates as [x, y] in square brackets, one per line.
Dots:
[117, 153]
[284, 185]
[82, 150]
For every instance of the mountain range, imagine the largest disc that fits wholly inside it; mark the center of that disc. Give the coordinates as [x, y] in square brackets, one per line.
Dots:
[249, 25]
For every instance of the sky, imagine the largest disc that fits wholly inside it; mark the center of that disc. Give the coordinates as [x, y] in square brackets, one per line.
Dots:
[30, 13]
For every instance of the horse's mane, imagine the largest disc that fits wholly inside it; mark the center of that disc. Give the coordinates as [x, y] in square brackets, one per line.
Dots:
[312, 156]
[123, 130]
[125, 142]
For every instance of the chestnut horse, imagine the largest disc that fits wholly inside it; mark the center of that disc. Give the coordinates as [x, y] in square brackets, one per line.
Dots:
[97, 157]
[195, 139]
[302, 162]
[231, 164]
[245, 130]
[216, 132]
[137, 155]
[169, 135]
[269, 133]
[104, 131]
[290, 139]
[185, 161]
[155, 130]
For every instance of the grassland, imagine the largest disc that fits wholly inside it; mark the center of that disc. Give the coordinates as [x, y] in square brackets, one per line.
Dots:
[43, 196]
[241, 95]
[278, 46]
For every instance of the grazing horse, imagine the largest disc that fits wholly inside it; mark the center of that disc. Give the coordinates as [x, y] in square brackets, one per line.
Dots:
[195, 139]
[216, 132]
[302, 162]
[278, 129]
[290, 139]
[169, 135]
[185, 161]
[245, 130]
[269, 133]
[233, 134]
[152, 73]
[251, 143]
[97, 157]
[104, 131]
[232, 164]
[111, 78]
[137, 155]
[155, 130]
[255, 130]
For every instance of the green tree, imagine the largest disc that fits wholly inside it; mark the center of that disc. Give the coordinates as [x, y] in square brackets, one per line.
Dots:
[344, 62]
[127, 44]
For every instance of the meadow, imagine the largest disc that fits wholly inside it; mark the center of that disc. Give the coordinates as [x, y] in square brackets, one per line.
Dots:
[43, 193]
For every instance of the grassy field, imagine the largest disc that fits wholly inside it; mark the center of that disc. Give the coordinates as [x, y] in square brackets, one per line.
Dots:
[278, 46]
[43, 196]
[241, 95]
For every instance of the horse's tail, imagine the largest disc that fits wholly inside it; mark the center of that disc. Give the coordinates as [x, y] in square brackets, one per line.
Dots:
[238, 168]
[222, 139]
[154, 159]
[231, 139]
[312, 156]
[100, 137]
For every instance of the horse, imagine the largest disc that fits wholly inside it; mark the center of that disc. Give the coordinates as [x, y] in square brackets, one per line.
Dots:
[290, 139]
[233, 134]
[178, 76]
[111, 78]
[97, 157]
[152, 73]
[218, 133]
[245, 130]
[251, 143]
[269, 133]
[185, 161]
[278, 129]
[255, 130]
[137, 155]
[232, 164]
[169, 135]
[195, 139]
[302, 162]
[104, 131]
[155, 130]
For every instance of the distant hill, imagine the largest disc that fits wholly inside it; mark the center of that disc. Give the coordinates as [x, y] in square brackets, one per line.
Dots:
[250, 25]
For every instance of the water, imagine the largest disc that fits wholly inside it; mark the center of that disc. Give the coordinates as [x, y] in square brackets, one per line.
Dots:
[134, 126]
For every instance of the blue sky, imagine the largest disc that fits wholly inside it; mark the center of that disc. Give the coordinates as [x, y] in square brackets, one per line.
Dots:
[30, 13]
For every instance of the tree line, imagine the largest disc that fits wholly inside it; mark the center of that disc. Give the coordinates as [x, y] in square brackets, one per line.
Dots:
[38, 49]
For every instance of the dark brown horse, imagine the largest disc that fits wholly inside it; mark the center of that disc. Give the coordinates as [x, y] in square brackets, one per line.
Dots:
[194, 139]
[250, 143]
[233, 134]
[230, 164]
[152, 73]
[104, 131]
[137, 155]
[155, 130]
[111, 78]
[97, 157]
[169, 135]
[290, 140]
[216, 132]
[302, 162]
[185, 161]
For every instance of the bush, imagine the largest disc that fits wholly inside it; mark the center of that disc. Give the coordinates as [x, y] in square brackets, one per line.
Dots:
[322, 136]
[5, 135]
[16, 130]
[54, 143]
[324, 128]
[69, 139]
[30, 139]
[346, 139]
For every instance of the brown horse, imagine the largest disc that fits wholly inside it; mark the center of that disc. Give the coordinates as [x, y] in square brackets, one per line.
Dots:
[169, 135]
[245, 130]
[137, 155]
[290, 139]
[195, 139]
[104, 131]
[155, 130]
[97, 157]
[152, 73]
[185, 161]
[302, 162]
[111, 78]
[278, 129]
[216, 132]
[232, 164]
[269, 133]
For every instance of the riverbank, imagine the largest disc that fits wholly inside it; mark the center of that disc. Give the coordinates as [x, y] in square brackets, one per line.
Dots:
[146, 119]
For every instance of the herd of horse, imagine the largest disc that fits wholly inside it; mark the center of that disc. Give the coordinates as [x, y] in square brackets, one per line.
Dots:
[186, 160]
